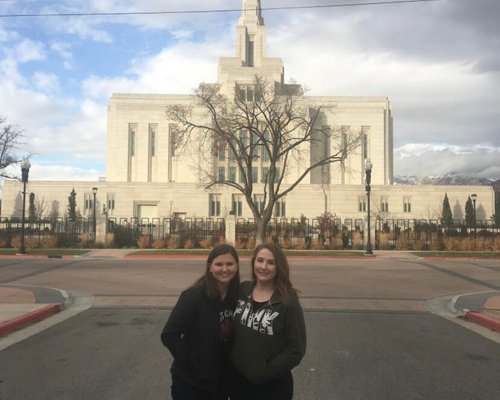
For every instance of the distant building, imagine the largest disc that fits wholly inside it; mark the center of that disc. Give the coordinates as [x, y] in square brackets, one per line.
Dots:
[148, 177]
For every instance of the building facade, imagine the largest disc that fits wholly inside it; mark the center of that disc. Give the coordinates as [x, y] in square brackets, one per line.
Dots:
[147, 176]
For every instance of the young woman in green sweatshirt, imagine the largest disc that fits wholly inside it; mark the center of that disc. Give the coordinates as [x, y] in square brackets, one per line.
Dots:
[270, 334]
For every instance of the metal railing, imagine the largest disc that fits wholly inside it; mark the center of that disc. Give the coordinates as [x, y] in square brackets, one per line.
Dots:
[298, 233]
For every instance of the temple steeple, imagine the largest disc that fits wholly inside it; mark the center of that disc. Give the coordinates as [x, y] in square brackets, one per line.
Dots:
[251, 52]
[251, 13]
[251, 35]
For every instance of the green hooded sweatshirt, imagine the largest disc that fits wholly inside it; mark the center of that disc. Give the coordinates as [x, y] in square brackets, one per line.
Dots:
[270, 340]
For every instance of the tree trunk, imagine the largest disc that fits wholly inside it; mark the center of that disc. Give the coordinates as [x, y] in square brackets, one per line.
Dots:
[260, 230]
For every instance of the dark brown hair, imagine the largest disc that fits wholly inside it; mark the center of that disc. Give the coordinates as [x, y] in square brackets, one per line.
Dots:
[207, 280]
[282, 281]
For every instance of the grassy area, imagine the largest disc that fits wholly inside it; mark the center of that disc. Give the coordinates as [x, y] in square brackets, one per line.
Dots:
[319, 253]
[248, 252]
[46, 252]
[464, 254]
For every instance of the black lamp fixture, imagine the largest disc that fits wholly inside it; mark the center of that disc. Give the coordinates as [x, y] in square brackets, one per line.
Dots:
[368, 180]
[473, 196]
[94, 191]
[25, 170]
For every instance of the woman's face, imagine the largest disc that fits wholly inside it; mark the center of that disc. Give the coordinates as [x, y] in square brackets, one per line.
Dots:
[264, 267]
[224, 268]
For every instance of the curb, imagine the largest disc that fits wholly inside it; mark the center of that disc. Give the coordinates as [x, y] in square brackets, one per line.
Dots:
[22, 321]
[484, 320]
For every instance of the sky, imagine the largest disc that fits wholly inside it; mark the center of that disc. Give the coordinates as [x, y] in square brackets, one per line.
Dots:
[438, 62]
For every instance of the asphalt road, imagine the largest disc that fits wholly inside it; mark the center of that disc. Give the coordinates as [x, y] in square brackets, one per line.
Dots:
[369, 335]
[115, 354]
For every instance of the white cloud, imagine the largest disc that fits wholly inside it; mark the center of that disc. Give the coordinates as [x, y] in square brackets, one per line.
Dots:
[178, 69]
[47, 83]
[57, 172]
[182, 34]
[63, 50]
[28, 50]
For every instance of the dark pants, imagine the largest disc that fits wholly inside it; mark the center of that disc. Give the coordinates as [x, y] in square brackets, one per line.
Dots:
[278, 389]
[182, 390]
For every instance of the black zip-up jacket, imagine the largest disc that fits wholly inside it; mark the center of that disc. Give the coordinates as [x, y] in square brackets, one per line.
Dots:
[191, 334]
[269, 341]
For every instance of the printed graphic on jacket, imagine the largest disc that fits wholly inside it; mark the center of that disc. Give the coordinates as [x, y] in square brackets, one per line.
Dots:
[260, 320]
[226, 326]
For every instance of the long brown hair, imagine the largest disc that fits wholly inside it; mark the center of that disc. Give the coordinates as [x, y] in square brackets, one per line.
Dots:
[282, 281]
[207, 280]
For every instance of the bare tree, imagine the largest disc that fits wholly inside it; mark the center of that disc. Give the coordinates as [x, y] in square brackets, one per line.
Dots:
[41, 208]
[265, 130]
[10, 142]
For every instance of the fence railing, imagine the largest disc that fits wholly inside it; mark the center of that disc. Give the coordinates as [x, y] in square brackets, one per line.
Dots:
[55, 232]
[298, 233]
[166, 232]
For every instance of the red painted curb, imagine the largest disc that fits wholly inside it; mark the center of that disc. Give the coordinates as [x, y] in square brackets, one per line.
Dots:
[484, 320]
[29, 318]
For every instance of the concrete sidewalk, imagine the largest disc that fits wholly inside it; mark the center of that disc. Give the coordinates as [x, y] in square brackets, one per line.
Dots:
[21, 306]
[481, 308]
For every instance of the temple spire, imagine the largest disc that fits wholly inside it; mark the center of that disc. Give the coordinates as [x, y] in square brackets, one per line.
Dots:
[251, 13]
[251, 35]
[251, 47]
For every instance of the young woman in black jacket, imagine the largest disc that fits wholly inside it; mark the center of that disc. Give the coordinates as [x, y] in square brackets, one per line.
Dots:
[200, 328]
[270, 333]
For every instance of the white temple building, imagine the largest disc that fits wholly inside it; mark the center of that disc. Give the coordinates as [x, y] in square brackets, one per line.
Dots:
[148, 177]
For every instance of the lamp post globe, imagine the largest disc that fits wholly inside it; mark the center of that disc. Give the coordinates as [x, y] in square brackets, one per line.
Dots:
[25, 170]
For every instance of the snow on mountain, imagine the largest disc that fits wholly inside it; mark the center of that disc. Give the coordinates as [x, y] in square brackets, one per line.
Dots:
[442, 180]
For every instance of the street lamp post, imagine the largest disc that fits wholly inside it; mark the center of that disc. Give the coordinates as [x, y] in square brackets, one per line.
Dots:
[25, 170]
[94, 191]
[474, 198]
[368, 171]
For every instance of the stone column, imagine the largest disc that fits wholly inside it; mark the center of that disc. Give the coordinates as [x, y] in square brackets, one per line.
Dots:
[231, 229]
[101, 225]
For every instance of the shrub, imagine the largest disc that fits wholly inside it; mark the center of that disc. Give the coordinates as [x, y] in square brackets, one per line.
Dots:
[250, 243]
[317, 244]
[420, 245]
[206, 243]
[31, 243]
[357, 240]
[301, 244]
[188, 244]
[159, 244]
[15, 242]
[240, 244]
[451, 244]
[383, 241]
[50, 242]
[173, 243]
[124, 236]
[145, 241]
[109, 240]
[85, 240]
[402, 242]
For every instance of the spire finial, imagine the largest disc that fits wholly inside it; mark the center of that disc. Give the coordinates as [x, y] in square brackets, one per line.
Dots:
[251, 13]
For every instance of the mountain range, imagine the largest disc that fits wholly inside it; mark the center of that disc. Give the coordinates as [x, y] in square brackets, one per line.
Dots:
[444, 180]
